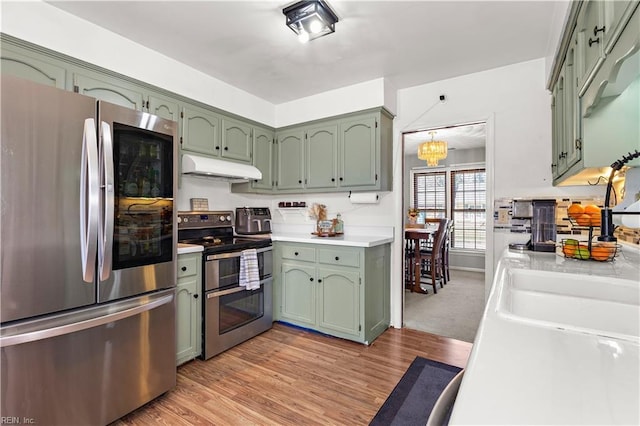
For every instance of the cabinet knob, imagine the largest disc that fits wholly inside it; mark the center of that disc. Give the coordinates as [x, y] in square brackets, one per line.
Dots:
[311, 279]
[319, 280]
[594, 41]
[184, 268]
[195, 296]
[333, 179]
[337, 258]
[299, 181]
[295, 254]
[226, 148]
[341, 179]
[597, 30]
[217, 147]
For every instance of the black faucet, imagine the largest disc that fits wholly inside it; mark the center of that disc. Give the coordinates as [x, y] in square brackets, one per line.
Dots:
[606, 223]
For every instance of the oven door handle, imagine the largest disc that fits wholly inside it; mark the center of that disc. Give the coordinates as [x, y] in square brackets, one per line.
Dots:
[213, 294]
[236, 254]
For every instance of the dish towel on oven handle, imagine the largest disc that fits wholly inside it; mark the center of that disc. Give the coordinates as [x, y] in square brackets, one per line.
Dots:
[249, 273]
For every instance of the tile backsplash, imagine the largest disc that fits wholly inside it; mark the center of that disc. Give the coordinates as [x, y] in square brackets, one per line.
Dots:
[503, 220]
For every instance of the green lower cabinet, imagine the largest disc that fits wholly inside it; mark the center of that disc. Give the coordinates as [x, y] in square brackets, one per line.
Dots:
[298, 293]
[339, 301]
[188, 308]
[338, 290]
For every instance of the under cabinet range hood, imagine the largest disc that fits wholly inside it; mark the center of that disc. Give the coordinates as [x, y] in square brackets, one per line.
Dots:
[196, 165]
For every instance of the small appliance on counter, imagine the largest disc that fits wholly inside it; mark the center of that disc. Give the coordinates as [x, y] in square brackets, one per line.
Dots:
[253, 220]
[543, 225]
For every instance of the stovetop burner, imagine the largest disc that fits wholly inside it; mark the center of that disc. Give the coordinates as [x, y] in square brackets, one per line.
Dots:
[214, 231]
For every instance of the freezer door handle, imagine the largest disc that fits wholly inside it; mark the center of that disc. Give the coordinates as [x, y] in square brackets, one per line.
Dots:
[89, 200]
[105, 232]
[32, 336]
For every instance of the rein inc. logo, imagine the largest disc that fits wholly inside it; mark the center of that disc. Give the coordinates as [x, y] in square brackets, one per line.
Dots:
[16, 420]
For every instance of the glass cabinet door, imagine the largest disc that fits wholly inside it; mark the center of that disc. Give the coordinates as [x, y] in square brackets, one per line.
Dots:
[143, 226]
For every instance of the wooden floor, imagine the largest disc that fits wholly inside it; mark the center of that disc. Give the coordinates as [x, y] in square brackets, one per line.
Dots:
[289, 376]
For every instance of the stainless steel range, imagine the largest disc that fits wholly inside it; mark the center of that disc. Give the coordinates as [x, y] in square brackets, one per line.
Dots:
[231, 313]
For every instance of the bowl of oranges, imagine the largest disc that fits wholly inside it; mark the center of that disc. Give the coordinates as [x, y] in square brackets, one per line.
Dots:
[588, 215]
[601, 251]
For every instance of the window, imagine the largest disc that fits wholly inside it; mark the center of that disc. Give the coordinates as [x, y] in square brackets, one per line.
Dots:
[468, 207]
[430, 194]
[465, 202]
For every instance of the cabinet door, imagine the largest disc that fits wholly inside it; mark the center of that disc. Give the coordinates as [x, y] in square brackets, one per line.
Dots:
[322, 156]
[108, 89]
[339, 301]
[298, 293]
[187, 301]
[572, 142]
[263, 157]
[614, 16]
[236, 140]
[290, 159]
[42, 70]
[559, 134]
[589, 29]
[358, 152]
[556, 132]
[163, 107]
[200, 131]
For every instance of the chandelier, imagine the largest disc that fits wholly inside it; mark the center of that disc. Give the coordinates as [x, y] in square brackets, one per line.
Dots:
[432, 151]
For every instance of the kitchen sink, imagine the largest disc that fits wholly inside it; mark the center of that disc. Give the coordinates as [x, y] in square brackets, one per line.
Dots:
[583, 303]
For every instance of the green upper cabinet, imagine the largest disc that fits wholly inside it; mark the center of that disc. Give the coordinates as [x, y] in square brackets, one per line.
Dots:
[34, 67]
[616, 15]
[201, 131]
[109, 89]
[236, 140]
[164, 107]
[322, 156]
[590, 31]
[358, 152]
[290, 152]
[263, 158]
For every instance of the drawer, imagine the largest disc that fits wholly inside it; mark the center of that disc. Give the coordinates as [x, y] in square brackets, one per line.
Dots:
[305, 254]
[187, 266]
[339, 257]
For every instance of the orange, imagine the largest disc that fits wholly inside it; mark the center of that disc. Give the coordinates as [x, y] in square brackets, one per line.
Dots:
[595, 219]
[592, 208]
[584, 219]
[569, 250]
[575, 210]
[602, 252]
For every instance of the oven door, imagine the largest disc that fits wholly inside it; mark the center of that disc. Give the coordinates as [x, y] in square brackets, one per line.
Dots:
[234, 315]
[223, 270]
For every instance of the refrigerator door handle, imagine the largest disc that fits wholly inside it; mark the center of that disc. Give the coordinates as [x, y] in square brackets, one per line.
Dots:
[105, 232]
[32, 336]
[89, 200]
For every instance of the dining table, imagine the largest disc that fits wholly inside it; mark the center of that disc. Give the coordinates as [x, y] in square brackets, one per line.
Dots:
[413, 238]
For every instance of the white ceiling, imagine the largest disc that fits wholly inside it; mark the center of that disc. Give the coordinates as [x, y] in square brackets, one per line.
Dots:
[466, 136]
[247, 44]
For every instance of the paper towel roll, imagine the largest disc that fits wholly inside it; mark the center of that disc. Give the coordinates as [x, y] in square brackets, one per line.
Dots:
[364, 198]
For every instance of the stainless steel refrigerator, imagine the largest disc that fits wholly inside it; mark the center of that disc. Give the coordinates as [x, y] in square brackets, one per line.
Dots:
[87, 249]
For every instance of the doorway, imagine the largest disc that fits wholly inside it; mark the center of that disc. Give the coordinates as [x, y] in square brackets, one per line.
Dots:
[454, 189]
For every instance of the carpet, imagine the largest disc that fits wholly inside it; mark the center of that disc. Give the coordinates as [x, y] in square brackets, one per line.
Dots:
[414, 396]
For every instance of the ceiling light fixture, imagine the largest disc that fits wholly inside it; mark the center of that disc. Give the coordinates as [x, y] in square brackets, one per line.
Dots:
[432, 151]
[310, 19]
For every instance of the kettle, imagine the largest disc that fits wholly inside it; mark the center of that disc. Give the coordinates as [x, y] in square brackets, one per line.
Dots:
[253, 220]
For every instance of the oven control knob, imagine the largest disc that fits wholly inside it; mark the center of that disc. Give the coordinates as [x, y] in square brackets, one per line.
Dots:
[229, 218]
[222, 218]
[186, 219]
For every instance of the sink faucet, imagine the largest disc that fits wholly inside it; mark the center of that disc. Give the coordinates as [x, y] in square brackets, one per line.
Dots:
[606, 223]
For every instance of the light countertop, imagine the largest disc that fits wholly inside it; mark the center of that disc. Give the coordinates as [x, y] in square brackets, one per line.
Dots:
[189, 248]
[342, 240]
[524, 373]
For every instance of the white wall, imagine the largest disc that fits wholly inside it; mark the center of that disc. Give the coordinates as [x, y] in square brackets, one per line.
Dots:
[516, 105]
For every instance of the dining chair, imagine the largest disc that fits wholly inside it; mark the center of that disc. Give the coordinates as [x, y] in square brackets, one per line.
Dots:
[431, 260]
[445, 252]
